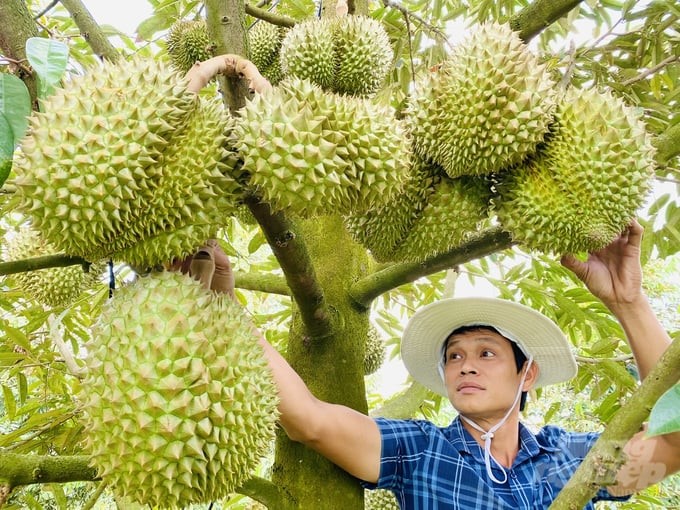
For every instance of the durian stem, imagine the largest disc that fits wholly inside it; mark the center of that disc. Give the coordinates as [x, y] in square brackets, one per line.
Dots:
[19, 469]
[627, 421]
[267, 493]
[538, 16]
[367, 289]
[230, 65]
[44, 262]
[404, 405]
[90, 30]
[269, 17]
[668, 144]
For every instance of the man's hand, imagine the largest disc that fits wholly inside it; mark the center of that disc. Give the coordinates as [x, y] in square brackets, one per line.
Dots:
[613, 273]
[209, 265]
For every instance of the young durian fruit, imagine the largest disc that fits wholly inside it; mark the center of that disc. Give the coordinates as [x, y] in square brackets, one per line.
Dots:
[486, 108]
[188, 42]
[178, 403]
[380, 499]
[374, 354]
[53, 287]
[455, 210]
[264, 41]
[363, 55]
[307, 52]
[587, 182]
[311, 152]
[125, 163]
[383, 228]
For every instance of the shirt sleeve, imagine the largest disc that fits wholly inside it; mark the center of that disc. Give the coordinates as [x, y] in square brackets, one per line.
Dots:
[403, 442]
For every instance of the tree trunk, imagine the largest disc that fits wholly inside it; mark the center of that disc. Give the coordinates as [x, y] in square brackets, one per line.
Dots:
[331, 366]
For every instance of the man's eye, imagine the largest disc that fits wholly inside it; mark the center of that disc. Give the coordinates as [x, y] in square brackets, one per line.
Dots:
[454, 355]
[488, 354]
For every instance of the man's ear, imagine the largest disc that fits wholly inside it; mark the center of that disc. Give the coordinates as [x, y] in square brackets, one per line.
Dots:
[531, 377]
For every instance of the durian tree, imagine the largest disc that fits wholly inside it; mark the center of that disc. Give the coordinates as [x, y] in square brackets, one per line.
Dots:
[356, 163]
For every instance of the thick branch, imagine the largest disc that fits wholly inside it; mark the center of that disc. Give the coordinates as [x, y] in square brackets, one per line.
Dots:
[90, 30]
[16, 28]
[45, 262]
[607, 456]
[367, 289]
[267, 493]
[18, 469]
[297, 265]
[270, 17]
[403, 405]
[538, 16]
[668, 144]
[271, 284]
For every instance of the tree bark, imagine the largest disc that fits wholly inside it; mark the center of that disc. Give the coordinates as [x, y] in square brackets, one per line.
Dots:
[538, 16]
[90, 30]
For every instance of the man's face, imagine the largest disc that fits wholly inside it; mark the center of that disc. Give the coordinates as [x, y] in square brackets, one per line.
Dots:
[480, 373]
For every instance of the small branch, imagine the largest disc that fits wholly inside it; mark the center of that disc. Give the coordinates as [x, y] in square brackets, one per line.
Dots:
[270, 17]
[667, 61]
[595, 361]
[18, 469]
[439, 33]
[270, 284]
[44, 262]
[668, 144]
[92, 500]
[297, 266]
[607, 453]
[47, 9]
[233, 66]
[90, 30]
[367, 289]
[403, 405]
[538, 16]
[269, 494]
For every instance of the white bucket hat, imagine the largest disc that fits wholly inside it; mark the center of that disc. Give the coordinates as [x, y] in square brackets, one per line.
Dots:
[537, 336]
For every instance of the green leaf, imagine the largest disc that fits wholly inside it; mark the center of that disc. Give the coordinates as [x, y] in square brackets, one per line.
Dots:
[10, 404]
[22, 384]
[6, 148]
[665, 415]
[17, 336]
[48, 58]
[15, 104]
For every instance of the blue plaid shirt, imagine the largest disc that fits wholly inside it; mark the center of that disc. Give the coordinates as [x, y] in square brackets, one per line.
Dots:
[429, 467]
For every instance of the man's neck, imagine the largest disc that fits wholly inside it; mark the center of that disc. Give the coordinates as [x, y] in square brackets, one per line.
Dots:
[505, 443]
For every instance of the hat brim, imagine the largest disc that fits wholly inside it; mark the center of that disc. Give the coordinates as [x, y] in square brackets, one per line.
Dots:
[535, 333]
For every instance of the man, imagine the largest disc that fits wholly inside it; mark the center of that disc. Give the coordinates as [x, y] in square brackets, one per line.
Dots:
[483, 354]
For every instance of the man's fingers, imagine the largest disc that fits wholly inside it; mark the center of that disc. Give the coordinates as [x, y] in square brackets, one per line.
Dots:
[635, 232]
[574, 265]
[203, 266]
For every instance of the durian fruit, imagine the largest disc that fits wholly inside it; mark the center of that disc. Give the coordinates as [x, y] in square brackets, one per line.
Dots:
[383, 228]
[312, 152]
[486, 108]
[374, 354]
[264, 41]
[307, 52]
[122, 156]
[188, 42]
[586, 184]
[457, 209]
[178, 402]
[363, 55]
[380, 499]
[53, 287]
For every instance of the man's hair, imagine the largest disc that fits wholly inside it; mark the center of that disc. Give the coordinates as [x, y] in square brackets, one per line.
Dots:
[520, 357]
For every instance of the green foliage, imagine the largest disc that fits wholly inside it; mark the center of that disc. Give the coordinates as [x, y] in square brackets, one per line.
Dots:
[48, 59]
[664, 417]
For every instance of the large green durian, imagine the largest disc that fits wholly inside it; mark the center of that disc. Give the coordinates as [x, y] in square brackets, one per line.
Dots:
[486, 108]
[264, 41]
[457, 209]
[53, 287]
[382, 229]
[380, 499]
[307, 52]
[125, 163]
[178, 403]
[313, 152]
[374, 353]
[188, 42]
[586, 184]
[363, 55]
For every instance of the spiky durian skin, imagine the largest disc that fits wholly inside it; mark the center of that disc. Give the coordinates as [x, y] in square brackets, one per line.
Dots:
[313, 152]
[383, 228]
[380, 499]
[363, 55]
[264, 42]
[188, 42]
[307, 52]
[455, 210]
[178, 403]
[374, 354]
[487, 107]
[586, 184]
[122, 155]
[53, 287]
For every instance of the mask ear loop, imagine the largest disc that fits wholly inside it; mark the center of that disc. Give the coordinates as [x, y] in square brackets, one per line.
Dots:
[487, 435]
